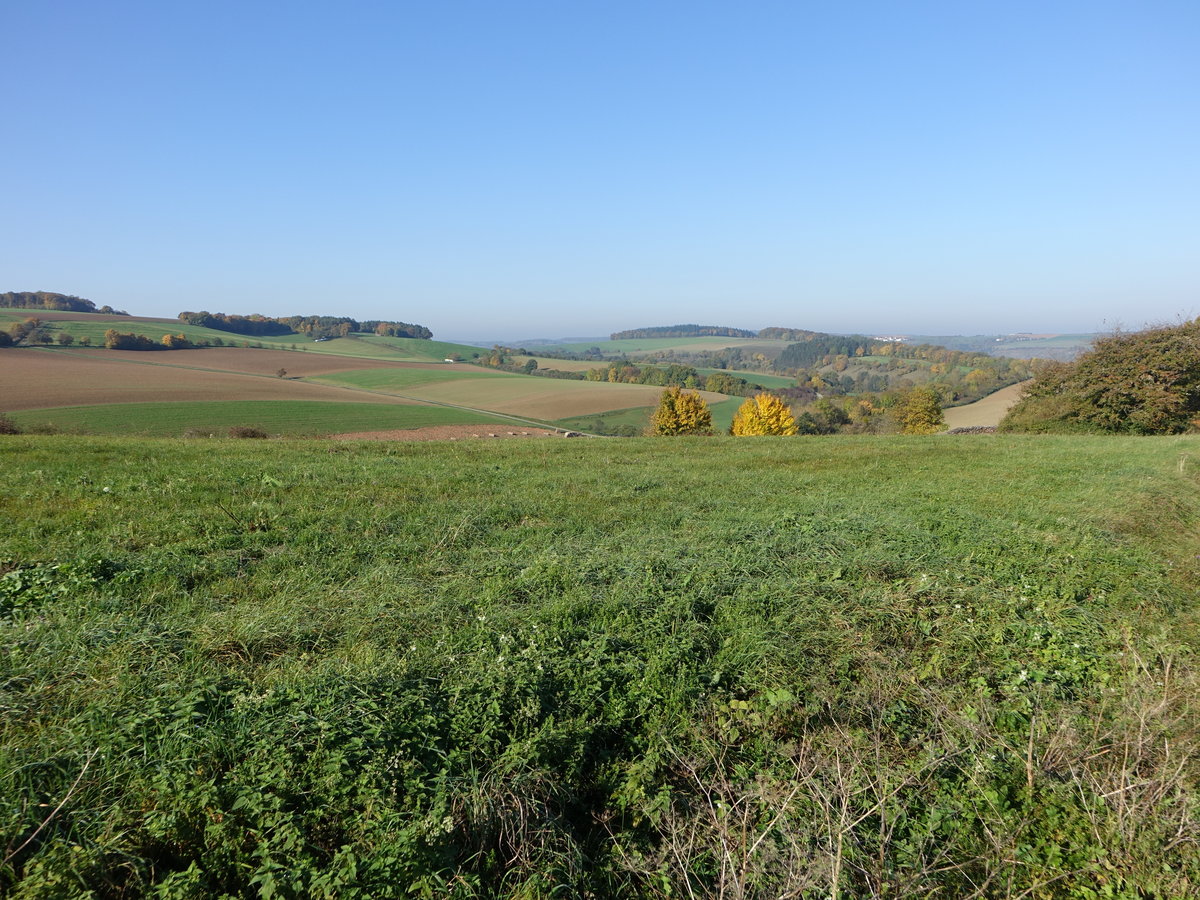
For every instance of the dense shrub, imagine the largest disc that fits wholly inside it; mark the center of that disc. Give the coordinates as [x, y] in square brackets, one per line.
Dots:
[247, 431]
[8, 426]
[1146, 382]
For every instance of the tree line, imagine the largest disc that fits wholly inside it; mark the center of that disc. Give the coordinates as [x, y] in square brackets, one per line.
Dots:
[315, 327]
[51, 301]
[678, 331]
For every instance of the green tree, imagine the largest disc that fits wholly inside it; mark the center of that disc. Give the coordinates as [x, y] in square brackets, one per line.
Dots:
[1145, 382]
[919, 411]
[681, 412]
[763, 414]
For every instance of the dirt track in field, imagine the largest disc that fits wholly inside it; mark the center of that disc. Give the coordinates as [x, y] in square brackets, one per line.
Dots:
[988, 411]
[35, 379]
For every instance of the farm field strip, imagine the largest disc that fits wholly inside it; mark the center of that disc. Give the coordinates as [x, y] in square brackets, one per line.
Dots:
[296, 418]
[36, 379]
[544, 398]
[987, 411]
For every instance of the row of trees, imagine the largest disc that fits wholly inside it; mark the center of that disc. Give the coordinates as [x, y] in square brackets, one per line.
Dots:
[681, 331]
[51, 301]
[683, 412]
[316, 327]
[673, 375]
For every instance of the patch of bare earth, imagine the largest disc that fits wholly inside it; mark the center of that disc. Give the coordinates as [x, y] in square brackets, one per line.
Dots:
[986, 412]
[446, 433]
[36, 379]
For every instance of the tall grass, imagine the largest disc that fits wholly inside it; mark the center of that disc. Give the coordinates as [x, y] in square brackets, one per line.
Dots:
[774, 667]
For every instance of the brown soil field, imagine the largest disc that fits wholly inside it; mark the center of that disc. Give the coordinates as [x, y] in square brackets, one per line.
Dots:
[446, 433]
[988, 411]
[35, 379]
[256, 362]
[543, 398]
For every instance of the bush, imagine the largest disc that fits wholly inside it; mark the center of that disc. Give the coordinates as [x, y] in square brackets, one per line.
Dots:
[247, 431]
[8, 426]
[1146, 382]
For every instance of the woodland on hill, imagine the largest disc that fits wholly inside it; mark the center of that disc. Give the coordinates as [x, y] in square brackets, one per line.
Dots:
[315, 327]
[52, 301]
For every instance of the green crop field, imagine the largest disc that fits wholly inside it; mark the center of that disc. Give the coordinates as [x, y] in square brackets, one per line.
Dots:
[93, 327]
[809, 667]
[289, 417]
[398, 380]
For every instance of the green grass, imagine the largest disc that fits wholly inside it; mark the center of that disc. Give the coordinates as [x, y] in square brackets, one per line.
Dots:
[849, 665]
[288, 417]
[368, 346]
[399, 379]
[768, 381]
[87, 326]
[637, 419]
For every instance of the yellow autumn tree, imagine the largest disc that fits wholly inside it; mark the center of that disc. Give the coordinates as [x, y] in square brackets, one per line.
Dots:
[763, 414]
[919, 412]
[681, 412]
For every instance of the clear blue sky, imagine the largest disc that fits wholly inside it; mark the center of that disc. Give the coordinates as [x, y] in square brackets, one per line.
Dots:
[519, 169]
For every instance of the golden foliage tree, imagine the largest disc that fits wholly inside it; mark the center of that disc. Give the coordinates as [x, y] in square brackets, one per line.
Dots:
[920, 412]
[681, 412]
[764, 414]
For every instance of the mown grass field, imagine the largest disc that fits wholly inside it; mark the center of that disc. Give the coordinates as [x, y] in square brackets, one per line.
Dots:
[276, 417]
[845, 666]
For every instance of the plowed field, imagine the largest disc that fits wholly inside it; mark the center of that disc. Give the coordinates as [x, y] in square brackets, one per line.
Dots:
[34, 379]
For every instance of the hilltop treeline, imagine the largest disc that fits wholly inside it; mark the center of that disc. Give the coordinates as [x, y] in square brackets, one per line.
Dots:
[678, 331]
[313, 326]
[53, 301]
[788, 334]
[1147, 382]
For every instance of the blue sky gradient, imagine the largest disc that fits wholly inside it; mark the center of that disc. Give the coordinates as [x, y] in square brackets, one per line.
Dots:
[499, 170]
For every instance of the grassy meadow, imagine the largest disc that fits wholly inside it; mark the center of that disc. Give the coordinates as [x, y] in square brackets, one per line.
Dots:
[810, 667]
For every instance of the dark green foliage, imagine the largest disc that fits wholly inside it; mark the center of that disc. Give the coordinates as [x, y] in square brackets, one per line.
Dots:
[7, 425]
[926, 667]
[1146, 382]
[316, 327]
[808, 352]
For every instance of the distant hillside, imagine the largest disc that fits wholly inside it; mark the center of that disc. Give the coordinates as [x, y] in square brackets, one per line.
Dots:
[678, 331]
[1062, 347]
[48, 300]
